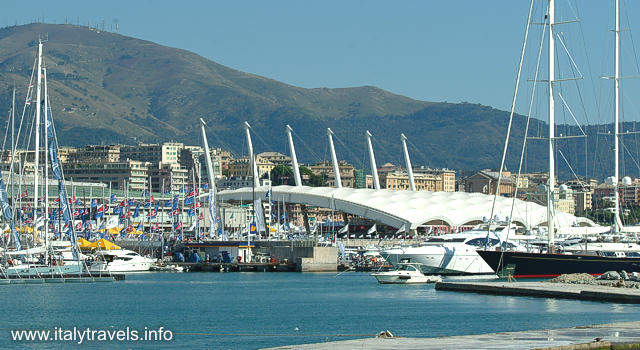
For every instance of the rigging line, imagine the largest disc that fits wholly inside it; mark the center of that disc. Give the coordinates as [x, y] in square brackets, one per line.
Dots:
[526, 131]
[633, 46]
[569, 165]
[422, 154]
[307, 146]
[24, 108]
[511, 114]
[566, 50]
[631, 155]
[349, 152]
[571, 114]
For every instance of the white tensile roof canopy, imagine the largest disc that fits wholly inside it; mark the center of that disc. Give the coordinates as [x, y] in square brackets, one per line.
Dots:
[396, 208]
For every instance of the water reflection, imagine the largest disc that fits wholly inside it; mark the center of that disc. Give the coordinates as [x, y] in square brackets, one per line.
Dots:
[551, 305]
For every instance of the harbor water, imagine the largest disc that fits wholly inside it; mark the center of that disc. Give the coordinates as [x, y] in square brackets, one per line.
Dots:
[256, 310]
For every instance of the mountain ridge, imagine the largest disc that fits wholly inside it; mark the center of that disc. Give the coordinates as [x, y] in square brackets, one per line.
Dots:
[109, 88]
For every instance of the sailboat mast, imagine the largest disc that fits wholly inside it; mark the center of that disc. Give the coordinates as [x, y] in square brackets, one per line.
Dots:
[45, 211]
[551, 185]
[37, 136]
[616, 122]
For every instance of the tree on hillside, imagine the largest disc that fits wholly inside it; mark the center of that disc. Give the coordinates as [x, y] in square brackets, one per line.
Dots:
[283, 175]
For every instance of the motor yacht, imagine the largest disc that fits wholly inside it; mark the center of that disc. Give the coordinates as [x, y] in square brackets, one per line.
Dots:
[455, 253]
[120, 260]
[406, 273]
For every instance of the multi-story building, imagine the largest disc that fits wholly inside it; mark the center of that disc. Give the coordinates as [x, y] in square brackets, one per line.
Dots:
[446, 177]
[169, 177]
[400, 181]
[276, 158]
[325, 169]
[166, 152]
[582, 194]
[486, 181]
[240, 167]
[133, 173]
[94, 154]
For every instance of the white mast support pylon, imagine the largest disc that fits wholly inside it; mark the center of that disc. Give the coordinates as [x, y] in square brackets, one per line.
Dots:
[551, 185]
[210, 175]
[372, 159]
[616, 122]
[294, 159]
[407, 160]
[253, 168]
[334, 159]
[37, 136]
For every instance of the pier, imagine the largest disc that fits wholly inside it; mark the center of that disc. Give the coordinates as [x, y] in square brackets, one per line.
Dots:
[547, 290]
[624, 335]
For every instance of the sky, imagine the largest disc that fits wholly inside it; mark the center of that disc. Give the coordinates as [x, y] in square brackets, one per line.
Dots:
[454, 51]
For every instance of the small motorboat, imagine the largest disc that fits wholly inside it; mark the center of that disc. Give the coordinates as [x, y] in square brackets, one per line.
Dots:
[166, 268]
[405, 273]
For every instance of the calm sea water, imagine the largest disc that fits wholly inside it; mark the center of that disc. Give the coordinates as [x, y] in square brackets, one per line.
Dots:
[254, 310]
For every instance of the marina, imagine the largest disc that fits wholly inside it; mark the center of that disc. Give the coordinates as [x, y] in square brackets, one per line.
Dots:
[130, 222]
[329, 307]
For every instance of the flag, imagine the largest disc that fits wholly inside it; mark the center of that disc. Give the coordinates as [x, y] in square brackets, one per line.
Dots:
[123, 203]
[145, 193]
[401, 229]
[177, 225]
[191, 212]
[79, 202]
[372, 229]
[188, 201]
[175, 212]
[152, 213]
[205, 186]
[198, 205]
[167, 203]
[117, 210]
[114, 198]
[94, 203]
[345, 229]
[155, 227]
[24, 194]
[175, 202]
[136, 212]
[140, 226]
[99, 213]
[201, 216]
[132, 202]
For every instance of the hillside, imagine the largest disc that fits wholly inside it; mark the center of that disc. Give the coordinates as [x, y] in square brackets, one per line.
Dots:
[109, 88]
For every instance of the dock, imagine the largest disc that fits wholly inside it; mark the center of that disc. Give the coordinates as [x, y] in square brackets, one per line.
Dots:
[623, 335]
[547, 290]
[236, 267]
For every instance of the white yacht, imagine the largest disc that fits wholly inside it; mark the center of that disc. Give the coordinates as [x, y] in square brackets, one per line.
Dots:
[120, 260]
[455, 253]
[405, 274]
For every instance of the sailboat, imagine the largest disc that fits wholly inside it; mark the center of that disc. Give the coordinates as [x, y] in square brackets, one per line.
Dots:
[51, 258]
[550, 263]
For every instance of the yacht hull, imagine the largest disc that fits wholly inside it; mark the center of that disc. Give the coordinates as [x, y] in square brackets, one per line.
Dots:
[120, 266]
[439, 260]
[552, 265]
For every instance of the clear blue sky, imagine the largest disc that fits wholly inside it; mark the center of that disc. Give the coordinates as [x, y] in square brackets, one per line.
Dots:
[456, 50]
